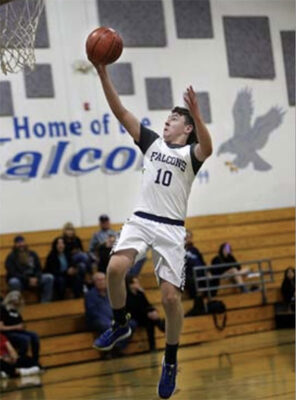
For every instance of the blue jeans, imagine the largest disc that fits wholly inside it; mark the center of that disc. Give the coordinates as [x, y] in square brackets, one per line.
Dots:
[83, 262]
[22, 340]
[45, 286]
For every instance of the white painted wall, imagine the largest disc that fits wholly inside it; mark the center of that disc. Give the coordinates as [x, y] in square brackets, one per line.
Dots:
[48, 202]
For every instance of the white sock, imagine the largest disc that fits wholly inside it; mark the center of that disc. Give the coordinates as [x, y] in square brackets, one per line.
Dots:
[29, 371]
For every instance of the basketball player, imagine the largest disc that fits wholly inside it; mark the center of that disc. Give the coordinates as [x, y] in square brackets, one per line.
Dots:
[171, 163]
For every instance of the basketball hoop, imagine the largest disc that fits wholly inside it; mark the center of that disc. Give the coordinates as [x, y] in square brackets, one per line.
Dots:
[18, 24]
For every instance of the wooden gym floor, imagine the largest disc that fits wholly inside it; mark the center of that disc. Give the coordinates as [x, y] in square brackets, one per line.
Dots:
[250, 367]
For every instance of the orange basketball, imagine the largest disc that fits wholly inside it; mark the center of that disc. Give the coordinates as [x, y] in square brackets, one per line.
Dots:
[103, 46]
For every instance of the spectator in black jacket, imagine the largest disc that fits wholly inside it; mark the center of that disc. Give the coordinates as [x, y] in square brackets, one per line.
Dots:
[24, 270]
[225, 256]
[288, 286]
[72, 241]
[141, 310]
[12, 325]
[65, 274]
[193, 258]
[74, 250]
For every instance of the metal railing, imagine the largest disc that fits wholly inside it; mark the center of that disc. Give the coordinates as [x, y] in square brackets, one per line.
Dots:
[261, 274]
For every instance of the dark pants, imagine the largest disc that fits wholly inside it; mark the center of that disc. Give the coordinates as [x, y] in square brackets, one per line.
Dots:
[149, 325]
[74, 282]
[22, 362]
[22, 340]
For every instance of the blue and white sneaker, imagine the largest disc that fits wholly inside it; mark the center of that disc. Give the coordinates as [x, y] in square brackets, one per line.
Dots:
[167, 383]
[113, 335]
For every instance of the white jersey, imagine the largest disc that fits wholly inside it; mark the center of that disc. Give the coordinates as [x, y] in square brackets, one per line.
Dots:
[168, 173]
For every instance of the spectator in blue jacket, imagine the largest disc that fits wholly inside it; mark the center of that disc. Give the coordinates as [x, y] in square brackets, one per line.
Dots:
[24, 271]
[98, 311]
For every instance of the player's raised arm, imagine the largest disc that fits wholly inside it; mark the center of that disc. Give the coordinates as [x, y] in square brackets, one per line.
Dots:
[125, 117]
[204, 147]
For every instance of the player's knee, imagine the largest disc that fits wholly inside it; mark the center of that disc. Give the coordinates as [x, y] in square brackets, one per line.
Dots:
[116, 268]
[170, 300]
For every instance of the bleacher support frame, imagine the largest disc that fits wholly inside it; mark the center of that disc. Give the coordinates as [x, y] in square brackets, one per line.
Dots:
[261, 274]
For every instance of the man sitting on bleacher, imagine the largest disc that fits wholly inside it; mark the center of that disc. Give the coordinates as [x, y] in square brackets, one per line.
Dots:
[24, 271]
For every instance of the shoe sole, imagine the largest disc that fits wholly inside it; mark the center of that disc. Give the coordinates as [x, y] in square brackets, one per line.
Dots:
[125, 336]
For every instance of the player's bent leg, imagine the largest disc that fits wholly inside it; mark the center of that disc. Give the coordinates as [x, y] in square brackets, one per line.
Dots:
[119, 264]
[171, 300]
[120, 329]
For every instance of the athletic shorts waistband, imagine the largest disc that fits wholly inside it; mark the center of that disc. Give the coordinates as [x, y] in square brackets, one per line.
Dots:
[156, 218]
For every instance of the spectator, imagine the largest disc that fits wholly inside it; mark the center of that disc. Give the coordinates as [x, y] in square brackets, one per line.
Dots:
[74, 250]
[194, 258]
[141, 310]
[65, 274]
[72, 241]
[102, 235]
[103, 252]
[24, 271]
[225, 256]
[288, 286]
[11, 364]
[98, 311]
[12, 325]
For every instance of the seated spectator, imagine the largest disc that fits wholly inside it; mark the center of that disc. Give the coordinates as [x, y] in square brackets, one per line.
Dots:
[98, 311]
[65, 274]
[103, 252]
[75, 253]
[12, 325]
[141, 310]
[193, 258]
[72, 241]
[288, 286]
[11, 364]
[225, 256]
[100, 237]
[24, 271]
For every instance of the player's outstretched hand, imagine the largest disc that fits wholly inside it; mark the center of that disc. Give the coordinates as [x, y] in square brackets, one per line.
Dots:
[190, 99]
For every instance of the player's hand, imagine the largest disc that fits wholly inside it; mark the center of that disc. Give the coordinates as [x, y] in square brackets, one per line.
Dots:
[190, 99]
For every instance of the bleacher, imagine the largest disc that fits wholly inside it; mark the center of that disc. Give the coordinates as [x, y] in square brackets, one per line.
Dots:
[253, 235]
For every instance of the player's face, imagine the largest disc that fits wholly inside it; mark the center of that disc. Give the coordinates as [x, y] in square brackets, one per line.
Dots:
[174, 128]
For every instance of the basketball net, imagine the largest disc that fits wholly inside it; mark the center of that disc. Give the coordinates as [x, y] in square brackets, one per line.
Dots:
[18, 24]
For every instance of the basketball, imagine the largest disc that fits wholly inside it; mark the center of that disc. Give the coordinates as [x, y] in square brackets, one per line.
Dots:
[103, 46]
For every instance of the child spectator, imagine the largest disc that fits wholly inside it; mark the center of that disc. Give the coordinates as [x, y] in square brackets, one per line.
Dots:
[24, 271]
[12, 325]
[65, 274]
[141, 310]
[11, 364]
[225, 256]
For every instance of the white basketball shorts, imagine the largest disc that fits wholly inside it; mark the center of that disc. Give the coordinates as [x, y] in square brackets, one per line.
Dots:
[167, 244]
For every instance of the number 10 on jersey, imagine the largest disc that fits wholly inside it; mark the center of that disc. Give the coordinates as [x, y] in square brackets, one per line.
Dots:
[163, 178]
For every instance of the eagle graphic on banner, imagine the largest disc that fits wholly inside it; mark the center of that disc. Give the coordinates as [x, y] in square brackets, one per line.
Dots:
[247, 138]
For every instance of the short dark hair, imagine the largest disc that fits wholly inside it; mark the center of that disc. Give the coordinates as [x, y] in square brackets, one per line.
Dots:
[103, 218]
[189, 121]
